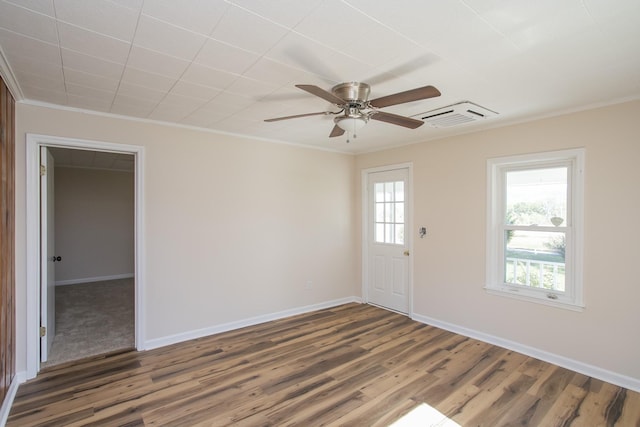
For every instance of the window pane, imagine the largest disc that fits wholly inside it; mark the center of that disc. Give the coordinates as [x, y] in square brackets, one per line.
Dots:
[537, 196]
[399, 213]
[388, 212]
[379, 212]
[535, 259]
[379, 192]
[388, 191]
[380, 233]
[388, 233]
[400, 234]
[400, 191]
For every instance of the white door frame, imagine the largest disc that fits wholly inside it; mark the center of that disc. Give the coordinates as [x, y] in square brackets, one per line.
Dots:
[47, 253]
[365, 228]
[34, 142]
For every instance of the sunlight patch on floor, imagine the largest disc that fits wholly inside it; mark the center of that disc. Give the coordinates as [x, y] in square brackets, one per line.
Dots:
[425, 416]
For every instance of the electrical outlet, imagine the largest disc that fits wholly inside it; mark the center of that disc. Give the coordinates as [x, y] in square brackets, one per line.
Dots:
[309, 284]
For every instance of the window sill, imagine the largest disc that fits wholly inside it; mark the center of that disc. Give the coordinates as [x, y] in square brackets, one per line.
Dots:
[533, 297]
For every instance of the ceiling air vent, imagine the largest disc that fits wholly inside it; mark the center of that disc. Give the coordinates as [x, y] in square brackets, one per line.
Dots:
[455, 115]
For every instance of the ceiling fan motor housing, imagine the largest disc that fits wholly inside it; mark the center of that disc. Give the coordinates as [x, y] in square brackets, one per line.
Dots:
[356, 94]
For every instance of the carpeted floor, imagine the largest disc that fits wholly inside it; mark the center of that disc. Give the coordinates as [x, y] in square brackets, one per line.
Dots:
[91, 319]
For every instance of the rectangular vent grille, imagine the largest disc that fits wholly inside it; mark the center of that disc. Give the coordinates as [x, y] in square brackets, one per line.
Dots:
[455, 115]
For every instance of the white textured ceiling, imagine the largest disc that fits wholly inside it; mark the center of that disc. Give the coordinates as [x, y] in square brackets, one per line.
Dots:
[228, 65]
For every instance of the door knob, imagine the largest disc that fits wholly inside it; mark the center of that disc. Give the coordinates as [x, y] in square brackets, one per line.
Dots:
[56, 258]
[406, 253]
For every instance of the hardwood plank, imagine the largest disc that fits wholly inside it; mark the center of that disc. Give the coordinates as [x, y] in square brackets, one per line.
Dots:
[496, 373]
[630, 415]
[491, 406]
[388, 399]
[549, 388]
[349, 365]
[565, 408]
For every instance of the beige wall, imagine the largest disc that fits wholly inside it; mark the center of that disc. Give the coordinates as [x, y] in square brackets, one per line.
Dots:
[94, 217]
[234, 227]
[450, 200]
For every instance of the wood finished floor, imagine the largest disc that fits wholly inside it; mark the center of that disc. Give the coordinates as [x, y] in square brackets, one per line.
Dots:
[353, 365]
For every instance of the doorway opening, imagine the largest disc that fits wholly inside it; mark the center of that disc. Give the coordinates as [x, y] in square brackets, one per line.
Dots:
[89, 253]
[101, 213]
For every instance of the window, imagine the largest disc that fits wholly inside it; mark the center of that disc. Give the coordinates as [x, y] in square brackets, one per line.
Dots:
[389, 211]
[534, 227]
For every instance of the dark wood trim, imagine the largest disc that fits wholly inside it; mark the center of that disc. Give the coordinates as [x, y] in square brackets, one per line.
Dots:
[7, 233]
[354, 365]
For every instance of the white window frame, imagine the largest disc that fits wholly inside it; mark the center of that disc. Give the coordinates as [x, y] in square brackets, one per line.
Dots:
[572, 297]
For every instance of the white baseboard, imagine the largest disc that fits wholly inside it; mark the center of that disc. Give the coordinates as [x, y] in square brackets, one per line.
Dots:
[199, 333]
[94, 279]
[18, 379]
[565, 362]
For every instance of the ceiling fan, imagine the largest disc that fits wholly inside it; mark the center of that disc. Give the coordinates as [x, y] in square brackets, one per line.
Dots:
[356, 109]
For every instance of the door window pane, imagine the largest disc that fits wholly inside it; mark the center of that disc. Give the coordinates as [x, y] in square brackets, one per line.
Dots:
[388, 233]
[388, 191]
[388, 212]
[379, 212]
[399, 234]
[399, 213]
[399, 191]
[379, 189]
[379, 233]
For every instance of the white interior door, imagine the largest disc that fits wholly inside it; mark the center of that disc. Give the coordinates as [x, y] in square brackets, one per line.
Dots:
[47, 239]
[388, 245]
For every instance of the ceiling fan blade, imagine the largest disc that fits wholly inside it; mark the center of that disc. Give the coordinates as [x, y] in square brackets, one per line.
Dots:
[395, 119]
[317, 91]
[336, 131]
[407, 96]
[323, 113]
[312, 64]
[402, 69]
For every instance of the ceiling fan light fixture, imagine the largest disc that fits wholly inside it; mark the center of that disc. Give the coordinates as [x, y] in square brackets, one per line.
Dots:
[351, 124]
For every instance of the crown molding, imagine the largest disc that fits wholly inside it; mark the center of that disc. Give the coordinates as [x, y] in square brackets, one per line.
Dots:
[178, 125]
[9, 79]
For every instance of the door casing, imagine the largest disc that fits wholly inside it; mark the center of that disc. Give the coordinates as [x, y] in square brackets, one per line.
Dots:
[366, 229]
[34, 142]
[47, 265]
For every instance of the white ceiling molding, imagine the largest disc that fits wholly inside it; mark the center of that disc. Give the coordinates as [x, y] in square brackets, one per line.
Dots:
[9, 79]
